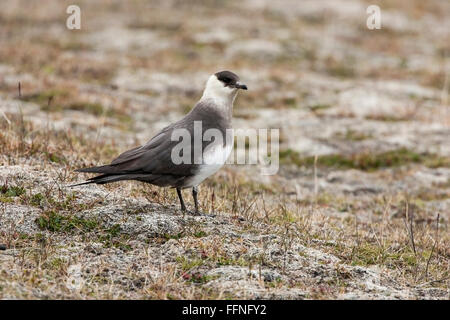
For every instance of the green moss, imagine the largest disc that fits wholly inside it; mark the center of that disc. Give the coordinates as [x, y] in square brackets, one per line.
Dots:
[56, 158]
[200, 234]
[85, 225]
[92, 108]
[66, 203]
[48, 69]
[97, 109]
[434, 161]
[188, 264]
[352, 135]
[388, 118]
[50, 221]
[227, 261]
[74, 46]
[114, 230]
[177, 236]
[42, 98]
[285, 216]
[368, 254]
[56, 263]
[55, 222]
[326, 199]
[58, 100]
[290, 102]
[5, 199]
[199, 278]
[36, 199]
[7, 193]
[11, 191]
[366, 161]
[112, 238]
[318, 107]
[340, 69]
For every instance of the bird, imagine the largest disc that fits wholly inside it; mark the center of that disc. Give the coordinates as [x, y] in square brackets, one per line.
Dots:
[153, 162]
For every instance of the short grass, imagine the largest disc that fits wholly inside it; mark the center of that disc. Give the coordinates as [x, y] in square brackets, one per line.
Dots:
[261, 223]
[367, 161]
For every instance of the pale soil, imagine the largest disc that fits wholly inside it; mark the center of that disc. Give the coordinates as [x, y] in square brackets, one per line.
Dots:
[314, 71]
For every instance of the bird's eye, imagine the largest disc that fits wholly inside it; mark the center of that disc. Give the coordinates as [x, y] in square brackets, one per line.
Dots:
[226, 80]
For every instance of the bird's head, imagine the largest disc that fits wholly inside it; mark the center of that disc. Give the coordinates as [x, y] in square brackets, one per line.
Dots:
[223, 86]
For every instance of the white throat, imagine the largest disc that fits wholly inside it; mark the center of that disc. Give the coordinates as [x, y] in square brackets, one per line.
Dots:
[217, 92]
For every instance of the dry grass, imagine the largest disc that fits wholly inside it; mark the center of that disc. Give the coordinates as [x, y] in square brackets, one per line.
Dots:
[300, 234]
[414, 254]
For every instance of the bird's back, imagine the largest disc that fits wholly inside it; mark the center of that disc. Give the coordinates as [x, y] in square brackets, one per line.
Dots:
[153, 161]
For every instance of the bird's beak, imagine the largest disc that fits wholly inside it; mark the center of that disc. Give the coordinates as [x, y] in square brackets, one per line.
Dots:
[240, 85]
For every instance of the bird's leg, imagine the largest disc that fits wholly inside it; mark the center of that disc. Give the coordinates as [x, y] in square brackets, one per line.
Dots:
[180, 196]
[194, 195]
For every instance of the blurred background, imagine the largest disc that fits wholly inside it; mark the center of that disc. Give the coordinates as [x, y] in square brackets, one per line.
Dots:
[372, 105]
[314, 69]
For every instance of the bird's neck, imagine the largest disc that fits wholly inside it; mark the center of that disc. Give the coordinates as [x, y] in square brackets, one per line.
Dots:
[222, 102]
[219, 98]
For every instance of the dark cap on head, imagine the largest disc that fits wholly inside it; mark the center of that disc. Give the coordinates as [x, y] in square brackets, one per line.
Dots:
[230, 79]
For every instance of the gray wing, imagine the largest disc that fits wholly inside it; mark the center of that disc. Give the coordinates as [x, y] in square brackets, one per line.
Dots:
[153, 157]
[152, 162]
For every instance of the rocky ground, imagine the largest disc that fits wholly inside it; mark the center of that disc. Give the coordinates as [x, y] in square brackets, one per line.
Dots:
[359, 209]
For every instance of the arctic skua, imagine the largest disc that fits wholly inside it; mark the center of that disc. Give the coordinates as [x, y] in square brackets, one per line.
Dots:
[154, 162]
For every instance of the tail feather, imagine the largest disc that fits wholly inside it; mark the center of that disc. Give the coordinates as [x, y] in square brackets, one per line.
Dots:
[107, 178]
[80, 184]
[99, 169]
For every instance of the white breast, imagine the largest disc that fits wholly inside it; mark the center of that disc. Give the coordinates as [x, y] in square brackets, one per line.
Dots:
[217, 154]
[213, 159]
